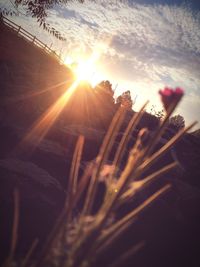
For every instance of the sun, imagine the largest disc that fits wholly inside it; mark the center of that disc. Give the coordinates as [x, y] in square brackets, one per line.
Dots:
[86, 68]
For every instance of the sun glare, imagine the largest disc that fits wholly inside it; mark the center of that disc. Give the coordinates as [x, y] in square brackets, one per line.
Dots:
[86, 69]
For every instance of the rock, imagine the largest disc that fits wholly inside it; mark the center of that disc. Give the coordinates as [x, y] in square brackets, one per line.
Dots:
[30, 171]
[41, 200]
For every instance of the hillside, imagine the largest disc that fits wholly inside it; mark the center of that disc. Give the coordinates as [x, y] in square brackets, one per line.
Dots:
[38, 78]
[31, 82]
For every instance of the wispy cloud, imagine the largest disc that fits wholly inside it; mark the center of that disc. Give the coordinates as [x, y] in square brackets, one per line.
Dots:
[150, 45]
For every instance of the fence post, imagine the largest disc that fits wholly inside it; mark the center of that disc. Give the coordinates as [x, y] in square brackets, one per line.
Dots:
[18, 29]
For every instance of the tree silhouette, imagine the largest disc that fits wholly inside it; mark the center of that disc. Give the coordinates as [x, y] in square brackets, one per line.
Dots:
[105, 91]
[177, 122]
[37, 9]
[125, 100]
[158, 113]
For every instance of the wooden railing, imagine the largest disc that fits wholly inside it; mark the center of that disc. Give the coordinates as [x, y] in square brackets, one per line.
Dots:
[29, 37]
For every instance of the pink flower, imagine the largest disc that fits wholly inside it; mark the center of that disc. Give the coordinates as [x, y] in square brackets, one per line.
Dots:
[171, 96]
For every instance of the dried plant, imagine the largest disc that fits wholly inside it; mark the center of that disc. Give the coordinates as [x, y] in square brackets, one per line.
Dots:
[78, 240]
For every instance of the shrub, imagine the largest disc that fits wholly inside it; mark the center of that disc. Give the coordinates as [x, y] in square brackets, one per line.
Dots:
[125, 100]
[177, 122]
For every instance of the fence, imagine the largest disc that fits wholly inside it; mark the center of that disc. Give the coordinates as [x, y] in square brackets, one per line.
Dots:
[29, 37]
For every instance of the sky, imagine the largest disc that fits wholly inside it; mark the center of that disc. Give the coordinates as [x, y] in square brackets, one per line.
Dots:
[143, 45]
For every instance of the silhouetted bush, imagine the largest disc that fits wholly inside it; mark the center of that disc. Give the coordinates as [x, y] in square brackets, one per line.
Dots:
[125, 100]
[177, 122]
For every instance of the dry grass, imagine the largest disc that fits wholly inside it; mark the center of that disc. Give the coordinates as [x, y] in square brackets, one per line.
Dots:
[78, 240]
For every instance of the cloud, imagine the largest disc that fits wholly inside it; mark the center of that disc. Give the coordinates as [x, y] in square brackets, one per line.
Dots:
[150, 45]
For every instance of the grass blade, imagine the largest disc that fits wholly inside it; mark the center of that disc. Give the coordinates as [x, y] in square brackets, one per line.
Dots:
[29, 253]
[152, 159]
[125, 256]
[15, 223]
[137, 185]
[102, 157]
[114, 231]
[130, 128]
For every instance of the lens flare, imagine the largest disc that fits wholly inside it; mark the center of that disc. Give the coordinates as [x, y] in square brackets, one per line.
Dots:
[44, 123]
[83, 70]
